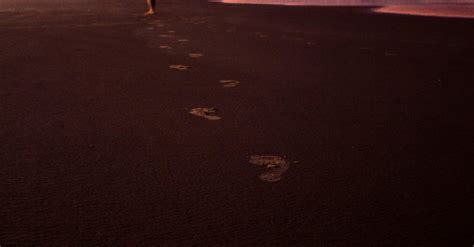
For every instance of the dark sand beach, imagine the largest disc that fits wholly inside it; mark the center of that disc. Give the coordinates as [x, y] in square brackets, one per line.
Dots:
[372, 114]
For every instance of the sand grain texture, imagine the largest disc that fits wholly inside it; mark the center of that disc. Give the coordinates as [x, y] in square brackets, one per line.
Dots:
[97, 145]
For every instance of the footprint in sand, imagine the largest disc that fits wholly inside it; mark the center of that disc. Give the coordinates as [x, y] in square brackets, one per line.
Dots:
[261, 35]
[229, 83]
[276, 166]
[207, 113]
[183, 40]
[156, 24]
[166, 36]
[390, 54]
[292, 38]
[195, 55]
[165, 47]
[179, 67]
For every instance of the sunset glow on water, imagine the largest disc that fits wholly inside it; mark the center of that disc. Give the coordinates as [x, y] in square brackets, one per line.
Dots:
[349, 2]
[463, 11]
[446, 8]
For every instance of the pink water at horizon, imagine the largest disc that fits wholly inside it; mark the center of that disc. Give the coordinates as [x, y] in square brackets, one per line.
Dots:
[440, 8]
[460, 11]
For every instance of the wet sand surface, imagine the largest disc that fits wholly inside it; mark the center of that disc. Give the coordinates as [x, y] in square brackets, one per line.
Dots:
[362, 122]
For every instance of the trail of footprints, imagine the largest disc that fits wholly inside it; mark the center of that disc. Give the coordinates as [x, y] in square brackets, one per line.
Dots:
[275, 166]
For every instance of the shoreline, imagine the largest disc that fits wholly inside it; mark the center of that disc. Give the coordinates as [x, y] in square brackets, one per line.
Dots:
[445, 11]
[458, 10]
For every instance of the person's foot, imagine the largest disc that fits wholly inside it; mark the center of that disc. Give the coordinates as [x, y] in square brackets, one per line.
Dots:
[149, 12]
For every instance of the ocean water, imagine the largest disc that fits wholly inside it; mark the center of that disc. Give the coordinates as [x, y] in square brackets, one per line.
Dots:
[439, 8]
[350, 2]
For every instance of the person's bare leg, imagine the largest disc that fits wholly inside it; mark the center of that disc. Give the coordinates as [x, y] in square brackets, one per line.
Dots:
[151, 7]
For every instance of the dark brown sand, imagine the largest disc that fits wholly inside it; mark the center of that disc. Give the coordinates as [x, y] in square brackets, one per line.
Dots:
[97, 145]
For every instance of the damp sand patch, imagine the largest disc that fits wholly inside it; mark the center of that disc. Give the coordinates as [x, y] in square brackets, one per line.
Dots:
[204, 112]
[276, 166]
